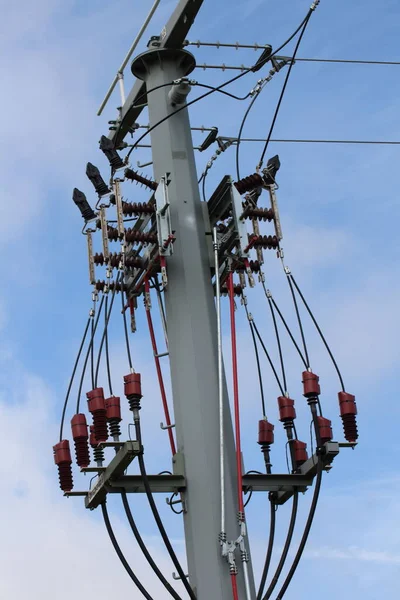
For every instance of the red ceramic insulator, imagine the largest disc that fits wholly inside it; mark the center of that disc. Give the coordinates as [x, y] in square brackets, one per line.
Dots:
[133, 385]
[62, 458]
[310, 384]
[348, 411]
[265, 433]
[300, 452]
[97, 407]
[287, 411]
[248, 183]
[80, 436]
[113, 406]
[325, 429]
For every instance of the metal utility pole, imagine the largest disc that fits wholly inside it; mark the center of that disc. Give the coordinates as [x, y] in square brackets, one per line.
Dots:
[192, 331]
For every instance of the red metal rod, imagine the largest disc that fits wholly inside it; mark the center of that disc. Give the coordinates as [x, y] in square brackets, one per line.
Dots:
[236, 392]
[234, 587]
[159, 372]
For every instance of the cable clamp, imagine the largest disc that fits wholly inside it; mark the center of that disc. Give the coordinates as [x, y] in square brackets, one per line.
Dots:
[314, 4]
[287, 271]
[250, 317]
[269, 294]
[92, 312]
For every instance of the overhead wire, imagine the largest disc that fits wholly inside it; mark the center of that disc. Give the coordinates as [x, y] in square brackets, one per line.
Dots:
[71, 381]
[260, 380]
[287, 329]
[299, 321]
[144, 548]
[107, 319]
[271, 540]
[121, 555]
[278, 341]
[278, 106]
[127, 344]
[107, 352]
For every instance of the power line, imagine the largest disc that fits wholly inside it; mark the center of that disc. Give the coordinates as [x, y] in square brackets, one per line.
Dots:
[322, 141]
[224, 67]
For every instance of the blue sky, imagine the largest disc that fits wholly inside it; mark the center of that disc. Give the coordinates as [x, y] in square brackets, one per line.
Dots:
[339, 214]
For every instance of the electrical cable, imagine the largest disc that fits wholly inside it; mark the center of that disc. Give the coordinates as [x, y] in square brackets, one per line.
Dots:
[278, 341]
[306, 532]
[236, 393]
[128, 347]
[211, 87]
[144, 549]
[234, 587]
[286, 546]
[120, 554]
[269, 550]
[320, 332]
[87, 356]
[268, 357]
[107, 315]
[73, 377]
[288, 330]
[107, 352]
[92, 356]
[217, 89]
[156, 514]
[278, 106]
[246, 114]
[159, 371]
[264, 412]
[299, 322]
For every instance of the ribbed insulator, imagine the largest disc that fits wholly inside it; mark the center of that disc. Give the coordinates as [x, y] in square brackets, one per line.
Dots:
[115, 260]
[62, 458]
[300, 452]
[287, 411]
[325, 429]
[262, 214]
[138, 208]
[114, 428]
[134, 237]
[311, 386]
[265, 433]
[268, 242]
[98, 453]
[248, 183]
[350, 428]
[81, 437]
[134, 176]
[97, 407]
[348, 411]
[237, 290]
[100, 285]
[133, 389]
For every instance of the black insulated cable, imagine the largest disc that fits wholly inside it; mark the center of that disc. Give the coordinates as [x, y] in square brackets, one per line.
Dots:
[319, 331]
[307, 529]
[299, 322]
[156, 514]
[271, 540]
[264, 413]
[288, 330]
[92, 356]
[103, 337]
[87, 355]
[144, 549]
[128, 347]
[108, 353]
[120, 554]
[73, 377]
[278, 341]
[286, 547]
[278, 106]
[268, 357]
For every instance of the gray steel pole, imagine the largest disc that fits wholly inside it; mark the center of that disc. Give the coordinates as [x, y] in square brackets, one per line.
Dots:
[192, 333]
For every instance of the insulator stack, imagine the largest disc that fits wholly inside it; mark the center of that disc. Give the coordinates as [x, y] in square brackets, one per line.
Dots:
[265, 433]
[97, 407]
[98, 453]
[269, 242]
[237, 290]
[138, 208]
[134, 176]
[248, 183]
[133, 390]
[311, 386]
[300, 452]
[113, 406]
[287, 411]
[62, 458]
[132, 236]
[348, 411]
[255, 266]
[100, 285]
[325, 429]
[80, 435]
[115, 260]
[261, 214]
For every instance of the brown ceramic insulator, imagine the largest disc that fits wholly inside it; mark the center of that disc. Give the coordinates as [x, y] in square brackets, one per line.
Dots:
[62, 458]
[100, 285]
[113, 234]
[287, 411]
[262, 214]
[255, 266]
[325, 429]
[269, 242]
[300, 452]
[115, 260]
[97, 407]
[348, 411]
[237, 290]
[134, 237]
[134, 176]
[138, 208]
[311, 386]
[265, 433]
[98, 453]
[80, 436]
[248, 183]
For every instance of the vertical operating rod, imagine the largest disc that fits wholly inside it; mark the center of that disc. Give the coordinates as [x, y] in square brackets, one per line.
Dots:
[192, 333]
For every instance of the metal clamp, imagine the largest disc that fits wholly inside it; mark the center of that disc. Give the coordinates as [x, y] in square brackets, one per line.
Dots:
[164, 427]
